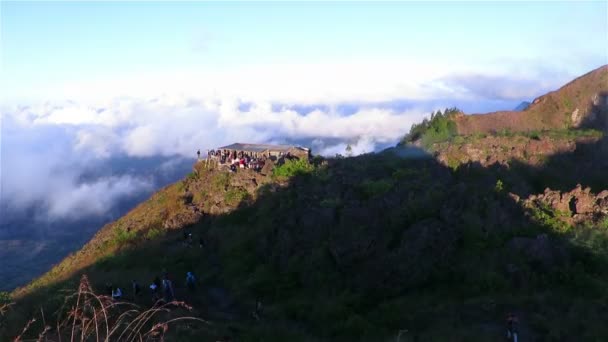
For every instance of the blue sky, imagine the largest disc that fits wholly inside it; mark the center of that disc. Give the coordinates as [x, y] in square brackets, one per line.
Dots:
[50, 44]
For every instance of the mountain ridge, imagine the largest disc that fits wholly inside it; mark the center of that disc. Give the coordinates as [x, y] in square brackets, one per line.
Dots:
[579, 103]
[362, 248]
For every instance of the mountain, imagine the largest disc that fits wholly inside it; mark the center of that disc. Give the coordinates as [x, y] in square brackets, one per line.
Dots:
[433, 243]
[580, 103]
[522, 106]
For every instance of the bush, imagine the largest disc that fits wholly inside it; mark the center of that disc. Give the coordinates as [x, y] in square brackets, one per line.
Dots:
[370, 188]
[234, 196]
[331, 203]
[153, 233]
[122, 236]
[293, 167]
[221, 181]
[5, 297]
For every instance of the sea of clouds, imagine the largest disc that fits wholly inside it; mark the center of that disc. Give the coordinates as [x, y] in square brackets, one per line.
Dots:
[53, 151]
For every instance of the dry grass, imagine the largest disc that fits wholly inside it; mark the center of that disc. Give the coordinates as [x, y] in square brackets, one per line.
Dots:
[86, 316]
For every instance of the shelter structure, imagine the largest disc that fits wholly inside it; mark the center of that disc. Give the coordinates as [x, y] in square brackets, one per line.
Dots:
[267, 150]
[254, 156]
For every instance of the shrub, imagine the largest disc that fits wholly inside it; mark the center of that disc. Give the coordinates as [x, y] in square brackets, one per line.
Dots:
[534, 135]
[499, 187]
[192, 176]
[371, 188]
[548, 217]
[234, 196]
[331, 203]
[221, 181]
[122, 236]
[153, 233]
[5, 297]
[293, 167]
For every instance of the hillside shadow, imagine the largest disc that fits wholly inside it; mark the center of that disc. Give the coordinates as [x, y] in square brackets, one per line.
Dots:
[365, 248]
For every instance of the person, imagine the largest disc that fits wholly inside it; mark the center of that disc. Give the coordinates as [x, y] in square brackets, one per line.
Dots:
[512, 327]
[155, 288]
[168, 289]
[258, 310]
[136, 288]
[117, 293]
[109, 289]
[187, 238]
[190, 281]
[198, 154]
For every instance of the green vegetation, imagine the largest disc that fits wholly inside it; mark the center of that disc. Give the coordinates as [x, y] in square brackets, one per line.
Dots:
[122, 236]
[154, 233]
[293, 167]
[221, 181]
[441, 127]
[374, 188]
[382, 248]
[550, 218]
[234, 196]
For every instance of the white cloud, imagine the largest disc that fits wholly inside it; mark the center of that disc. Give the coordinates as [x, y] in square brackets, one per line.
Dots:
[94, 198]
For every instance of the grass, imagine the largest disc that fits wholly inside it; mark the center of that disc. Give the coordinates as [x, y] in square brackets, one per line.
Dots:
[235, 196]
[123, 236]
[154, 233]
[87, 316]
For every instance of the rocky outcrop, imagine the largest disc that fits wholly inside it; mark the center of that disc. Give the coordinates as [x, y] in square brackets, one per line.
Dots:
[574, 206]
[503, 149]
[183, 218]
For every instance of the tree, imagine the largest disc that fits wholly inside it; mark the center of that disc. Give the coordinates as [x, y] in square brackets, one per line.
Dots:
[349, 150]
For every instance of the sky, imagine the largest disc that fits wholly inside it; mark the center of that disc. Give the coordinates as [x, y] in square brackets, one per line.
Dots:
[89, 82]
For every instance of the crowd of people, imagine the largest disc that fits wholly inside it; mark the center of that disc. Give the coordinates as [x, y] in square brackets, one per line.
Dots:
[160, 289]
[237, 160]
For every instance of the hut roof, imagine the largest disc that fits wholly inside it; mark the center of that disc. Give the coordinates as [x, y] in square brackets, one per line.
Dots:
[259, 147]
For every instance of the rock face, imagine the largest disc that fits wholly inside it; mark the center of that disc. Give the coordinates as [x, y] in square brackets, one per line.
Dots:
[503, 149]
[183, 218]
[576, 205]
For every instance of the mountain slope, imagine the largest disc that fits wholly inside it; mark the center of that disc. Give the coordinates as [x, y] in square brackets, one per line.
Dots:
[436, 244]
[580, 103]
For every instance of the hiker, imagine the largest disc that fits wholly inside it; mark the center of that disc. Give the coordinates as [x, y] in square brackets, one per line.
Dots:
[187, 238]
[198, 154]
[168, 289]
[136, 288]
[190, 281]
[155, 288]
[512, 327]
[117, 293]
[258, 310]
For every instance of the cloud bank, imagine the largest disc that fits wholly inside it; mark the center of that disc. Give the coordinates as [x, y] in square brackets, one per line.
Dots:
[48, 147]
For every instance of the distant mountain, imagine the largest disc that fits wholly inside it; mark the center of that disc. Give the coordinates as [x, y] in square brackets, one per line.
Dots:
[580, 103]
[522, 106]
